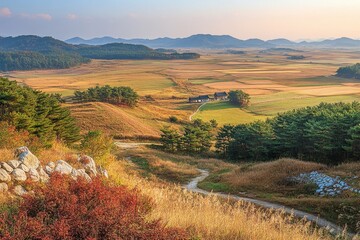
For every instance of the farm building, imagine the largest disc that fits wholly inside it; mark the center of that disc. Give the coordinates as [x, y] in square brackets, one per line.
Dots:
[220, 96]
[200, 99]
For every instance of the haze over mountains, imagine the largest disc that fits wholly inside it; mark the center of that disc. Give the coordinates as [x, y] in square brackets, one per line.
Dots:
[218, 41]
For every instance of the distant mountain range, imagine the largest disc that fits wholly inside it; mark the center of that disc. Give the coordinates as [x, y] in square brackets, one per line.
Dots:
[207, 41]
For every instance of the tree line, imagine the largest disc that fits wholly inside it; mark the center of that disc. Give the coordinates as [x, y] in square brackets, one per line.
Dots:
[10, 61]
[328, 133]
[113, 95]
[194, 138]
[37, 113]
[349, 71]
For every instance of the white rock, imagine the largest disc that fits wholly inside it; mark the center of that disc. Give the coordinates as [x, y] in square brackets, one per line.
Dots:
[48, 169]
[51, 165]
[4, 187]
[24, 168]
[7, 167]
[89, 164]
[74, 173]
[4, 176]
[14, 163]
[19, 190]
[26, 157]
[19, 175]
[82, 173]
[63, 167]
[34, 175]
[44, 177]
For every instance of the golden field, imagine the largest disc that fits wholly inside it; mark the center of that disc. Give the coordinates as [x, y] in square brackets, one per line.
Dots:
[275, 84]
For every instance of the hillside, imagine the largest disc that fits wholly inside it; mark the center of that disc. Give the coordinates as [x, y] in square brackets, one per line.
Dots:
[33, 52]
[117, 121]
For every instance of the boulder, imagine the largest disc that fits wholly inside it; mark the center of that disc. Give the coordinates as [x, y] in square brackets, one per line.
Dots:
[48, 169]
[103, 172]
[3, 187]
[19, 190]
[34, 175]
[26, 157]
[14, 163]
[63, 167]
[82, 173]
[19, 175]
[7, 167]
[44, 177]
[51, 165]
[24, 168]
[4, 176]
[88, 164]
[74, 174]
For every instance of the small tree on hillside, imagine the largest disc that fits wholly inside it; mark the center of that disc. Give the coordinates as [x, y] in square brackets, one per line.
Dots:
[239, 98]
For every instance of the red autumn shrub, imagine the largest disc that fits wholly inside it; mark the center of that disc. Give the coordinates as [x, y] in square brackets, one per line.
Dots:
[68, 209]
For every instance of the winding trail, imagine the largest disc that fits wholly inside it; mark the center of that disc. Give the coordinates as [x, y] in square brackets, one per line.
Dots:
[197, 110]
[331, 227]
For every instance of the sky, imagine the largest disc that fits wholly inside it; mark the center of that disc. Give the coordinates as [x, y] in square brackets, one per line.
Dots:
[244, 19]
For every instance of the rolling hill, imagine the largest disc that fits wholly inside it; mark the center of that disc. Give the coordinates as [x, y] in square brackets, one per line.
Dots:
[207, 41]
[33, 52]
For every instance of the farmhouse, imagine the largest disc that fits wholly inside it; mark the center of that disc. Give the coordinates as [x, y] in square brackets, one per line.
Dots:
[220, 96]
[200, 99]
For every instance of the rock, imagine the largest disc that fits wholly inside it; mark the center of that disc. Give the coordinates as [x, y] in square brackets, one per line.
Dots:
[82, 173]
[34, 175]
[4, 176]
[48, 169]
[63, 167]
[14, 163]
[19, 190]
[7, 167]
[44, 177]
[89, 164]
[74, 174]
[4, 187]
[24, 168]
[51, 165]
[19, 175]
[103, 172]
[26, 157]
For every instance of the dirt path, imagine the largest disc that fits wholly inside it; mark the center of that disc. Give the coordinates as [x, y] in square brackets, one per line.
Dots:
[197, 110]
[331, 227]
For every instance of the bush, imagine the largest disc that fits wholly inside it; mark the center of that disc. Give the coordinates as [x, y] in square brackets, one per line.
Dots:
[173, 119]
[97, 145]
[68, 209]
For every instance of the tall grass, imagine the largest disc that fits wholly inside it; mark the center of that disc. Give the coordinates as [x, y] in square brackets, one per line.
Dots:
[207, 217]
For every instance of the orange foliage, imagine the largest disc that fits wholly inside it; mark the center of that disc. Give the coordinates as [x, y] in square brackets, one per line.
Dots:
[68, 209]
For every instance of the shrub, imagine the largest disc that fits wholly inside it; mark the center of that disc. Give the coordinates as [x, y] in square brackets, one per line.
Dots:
[97, 145]
[173, 119]
[68, 209]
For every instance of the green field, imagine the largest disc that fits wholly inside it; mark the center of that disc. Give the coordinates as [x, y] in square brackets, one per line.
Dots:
[225, 113]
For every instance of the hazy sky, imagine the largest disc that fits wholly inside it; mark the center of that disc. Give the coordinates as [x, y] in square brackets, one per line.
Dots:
[266, 19]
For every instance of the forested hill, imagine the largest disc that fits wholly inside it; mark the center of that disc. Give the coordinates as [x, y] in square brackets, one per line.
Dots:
[33, 52]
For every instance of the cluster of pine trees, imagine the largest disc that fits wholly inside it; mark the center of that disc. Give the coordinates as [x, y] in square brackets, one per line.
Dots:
[195, 138]
[349, 71]
[10, 61]
[38, 113]
[113, 95]
[130, 51]
[328, 133]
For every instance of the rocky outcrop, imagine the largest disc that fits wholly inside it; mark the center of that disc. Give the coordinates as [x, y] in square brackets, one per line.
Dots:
[27, 167]
[326, 185]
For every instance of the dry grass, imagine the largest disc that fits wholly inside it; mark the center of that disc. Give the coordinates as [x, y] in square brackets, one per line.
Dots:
[6, 155]
[210, 218]
[269, 175]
